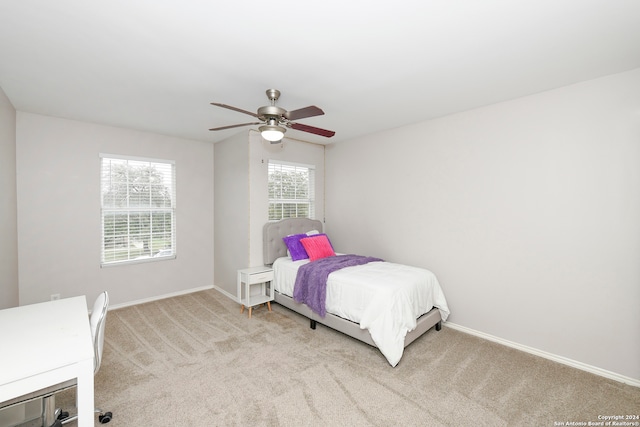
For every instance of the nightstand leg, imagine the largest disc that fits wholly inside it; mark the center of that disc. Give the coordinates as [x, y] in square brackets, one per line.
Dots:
[250, 308]
[242, 309]
[269, 305]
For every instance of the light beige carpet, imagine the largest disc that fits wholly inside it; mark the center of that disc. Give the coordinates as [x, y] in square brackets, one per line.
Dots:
[194, 360]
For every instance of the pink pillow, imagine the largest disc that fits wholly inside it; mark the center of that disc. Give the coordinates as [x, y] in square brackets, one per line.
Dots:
[317, 247]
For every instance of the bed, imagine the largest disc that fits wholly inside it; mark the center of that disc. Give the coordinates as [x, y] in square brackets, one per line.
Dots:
[387, 318]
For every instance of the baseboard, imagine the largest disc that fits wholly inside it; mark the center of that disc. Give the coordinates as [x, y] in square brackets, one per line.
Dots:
[565, 361]
[159, 297]
[227, 294]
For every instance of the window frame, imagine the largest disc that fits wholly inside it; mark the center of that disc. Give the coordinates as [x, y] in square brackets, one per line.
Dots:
[310, 200]
[168, 170]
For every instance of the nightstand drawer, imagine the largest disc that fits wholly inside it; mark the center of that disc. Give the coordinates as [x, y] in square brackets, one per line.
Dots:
[266, 276]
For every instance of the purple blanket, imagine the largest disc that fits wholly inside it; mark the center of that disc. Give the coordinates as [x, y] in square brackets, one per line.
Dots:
[311, 282]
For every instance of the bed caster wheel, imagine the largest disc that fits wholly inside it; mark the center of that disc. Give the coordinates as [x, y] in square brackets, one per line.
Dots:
[105, 418]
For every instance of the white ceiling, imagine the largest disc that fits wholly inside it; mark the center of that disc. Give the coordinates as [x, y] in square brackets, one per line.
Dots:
[155, 65]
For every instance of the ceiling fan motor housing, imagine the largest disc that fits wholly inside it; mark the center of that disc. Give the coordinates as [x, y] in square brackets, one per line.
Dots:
[270, 111]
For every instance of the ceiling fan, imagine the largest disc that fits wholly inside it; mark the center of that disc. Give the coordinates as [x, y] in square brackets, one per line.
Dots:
[274, 119]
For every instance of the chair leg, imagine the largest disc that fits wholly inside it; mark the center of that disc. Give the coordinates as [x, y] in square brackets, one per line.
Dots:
[54, 417]
[49, 415]
[103, 417]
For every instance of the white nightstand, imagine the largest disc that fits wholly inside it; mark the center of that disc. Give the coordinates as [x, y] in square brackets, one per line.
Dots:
[254, 276]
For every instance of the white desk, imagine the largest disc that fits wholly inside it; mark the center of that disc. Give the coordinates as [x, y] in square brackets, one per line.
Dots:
[46, 344]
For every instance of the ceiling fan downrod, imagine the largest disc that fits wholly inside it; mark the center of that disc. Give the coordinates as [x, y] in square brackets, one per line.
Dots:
[271, 111]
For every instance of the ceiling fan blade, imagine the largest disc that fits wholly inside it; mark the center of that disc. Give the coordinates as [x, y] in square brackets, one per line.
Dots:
[239, 110]
[303, 113]
[311, 129]
[235, 126]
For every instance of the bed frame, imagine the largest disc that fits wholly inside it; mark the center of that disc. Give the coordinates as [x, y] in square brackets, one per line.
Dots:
[275, 248]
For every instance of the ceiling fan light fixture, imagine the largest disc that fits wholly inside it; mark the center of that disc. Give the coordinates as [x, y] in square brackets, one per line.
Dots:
[272, 133]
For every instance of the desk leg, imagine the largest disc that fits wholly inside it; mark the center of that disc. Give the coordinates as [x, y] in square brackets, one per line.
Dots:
[85, 394]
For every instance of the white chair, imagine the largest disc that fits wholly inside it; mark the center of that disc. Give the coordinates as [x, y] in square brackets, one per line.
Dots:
[53, 417]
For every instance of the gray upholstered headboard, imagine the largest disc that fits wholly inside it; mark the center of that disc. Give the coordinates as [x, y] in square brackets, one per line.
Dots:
[273, 232]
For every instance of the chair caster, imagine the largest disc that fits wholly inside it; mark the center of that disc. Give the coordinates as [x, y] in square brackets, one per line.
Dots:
[62, 415]
[105, 418]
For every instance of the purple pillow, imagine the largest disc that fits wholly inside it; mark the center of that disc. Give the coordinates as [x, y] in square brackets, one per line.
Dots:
[295, 247]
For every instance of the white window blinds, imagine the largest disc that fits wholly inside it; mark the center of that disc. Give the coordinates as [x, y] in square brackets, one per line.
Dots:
[291, 190]
[138, 209]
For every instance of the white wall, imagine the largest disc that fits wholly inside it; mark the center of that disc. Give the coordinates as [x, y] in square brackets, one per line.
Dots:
[58, 186]
[241, 198]
[231, 171]
[8, 213]
[290, 150]
[528, 211]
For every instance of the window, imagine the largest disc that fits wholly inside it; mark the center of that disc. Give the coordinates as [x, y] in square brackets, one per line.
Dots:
[291, 191]
[138, 209]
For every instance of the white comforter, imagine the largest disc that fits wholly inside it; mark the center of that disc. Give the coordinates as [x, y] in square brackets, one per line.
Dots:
[383, 297]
